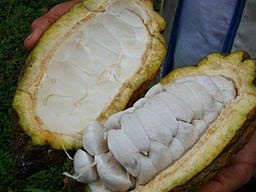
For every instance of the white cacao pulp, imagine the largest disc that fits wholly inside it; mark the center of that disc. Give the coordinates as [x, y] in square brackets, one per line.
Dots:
[136, 144]
[99, 57]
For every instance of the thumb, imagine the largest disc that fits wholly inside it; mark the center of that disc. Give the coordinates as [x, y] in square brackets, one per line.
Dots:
[41, 24]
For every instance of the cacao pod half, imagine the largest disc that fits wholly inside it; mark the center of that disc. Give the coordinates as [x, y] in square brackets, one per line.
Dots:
[225, 136]
[91, 63]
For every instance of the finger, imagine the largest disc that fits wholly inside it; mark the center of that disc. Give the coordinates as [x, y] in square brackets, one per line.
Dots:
[229, 179]
[40, 25]
[248, 153]
[237, 173]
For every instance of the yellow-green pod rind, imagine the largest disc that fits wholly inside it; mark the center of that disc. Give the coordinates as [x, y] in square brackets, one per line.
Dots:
[225, 136]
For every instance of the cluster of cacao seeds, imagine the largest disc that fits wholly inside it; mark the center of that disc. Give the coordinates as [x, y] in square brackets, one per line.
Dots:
[134, 145]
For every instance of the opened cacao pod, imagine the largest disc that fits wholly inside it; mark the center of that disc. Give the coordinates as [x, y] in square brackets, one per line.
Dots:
[226, 134]
[91, 63]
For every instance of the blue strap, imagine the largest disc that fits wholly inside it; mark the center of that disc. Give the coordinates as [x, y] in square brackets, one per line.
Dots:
[171, 47]
[201, 27]
[234, 26]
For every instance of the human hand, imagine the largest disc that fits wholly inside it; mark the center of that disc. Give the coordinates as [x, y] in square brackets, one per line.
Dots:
[237, 173]
[41, 24]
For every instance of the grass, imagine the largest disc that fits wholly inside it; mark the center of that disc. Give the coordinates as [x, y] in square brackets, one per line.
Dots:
[15, 19]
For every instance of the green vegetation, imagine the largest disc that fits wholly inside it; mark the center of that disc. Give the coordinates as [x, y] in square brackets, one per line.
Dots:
[15, 20]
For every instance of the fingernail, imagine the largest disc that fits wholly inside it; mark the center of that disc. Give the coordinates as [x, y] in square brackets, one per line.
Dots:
[28, 37]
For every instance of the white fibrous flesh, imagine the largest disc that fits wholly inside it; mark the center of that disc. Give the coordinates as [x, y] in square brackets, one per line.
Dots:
[158, 130]
[100, 56]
